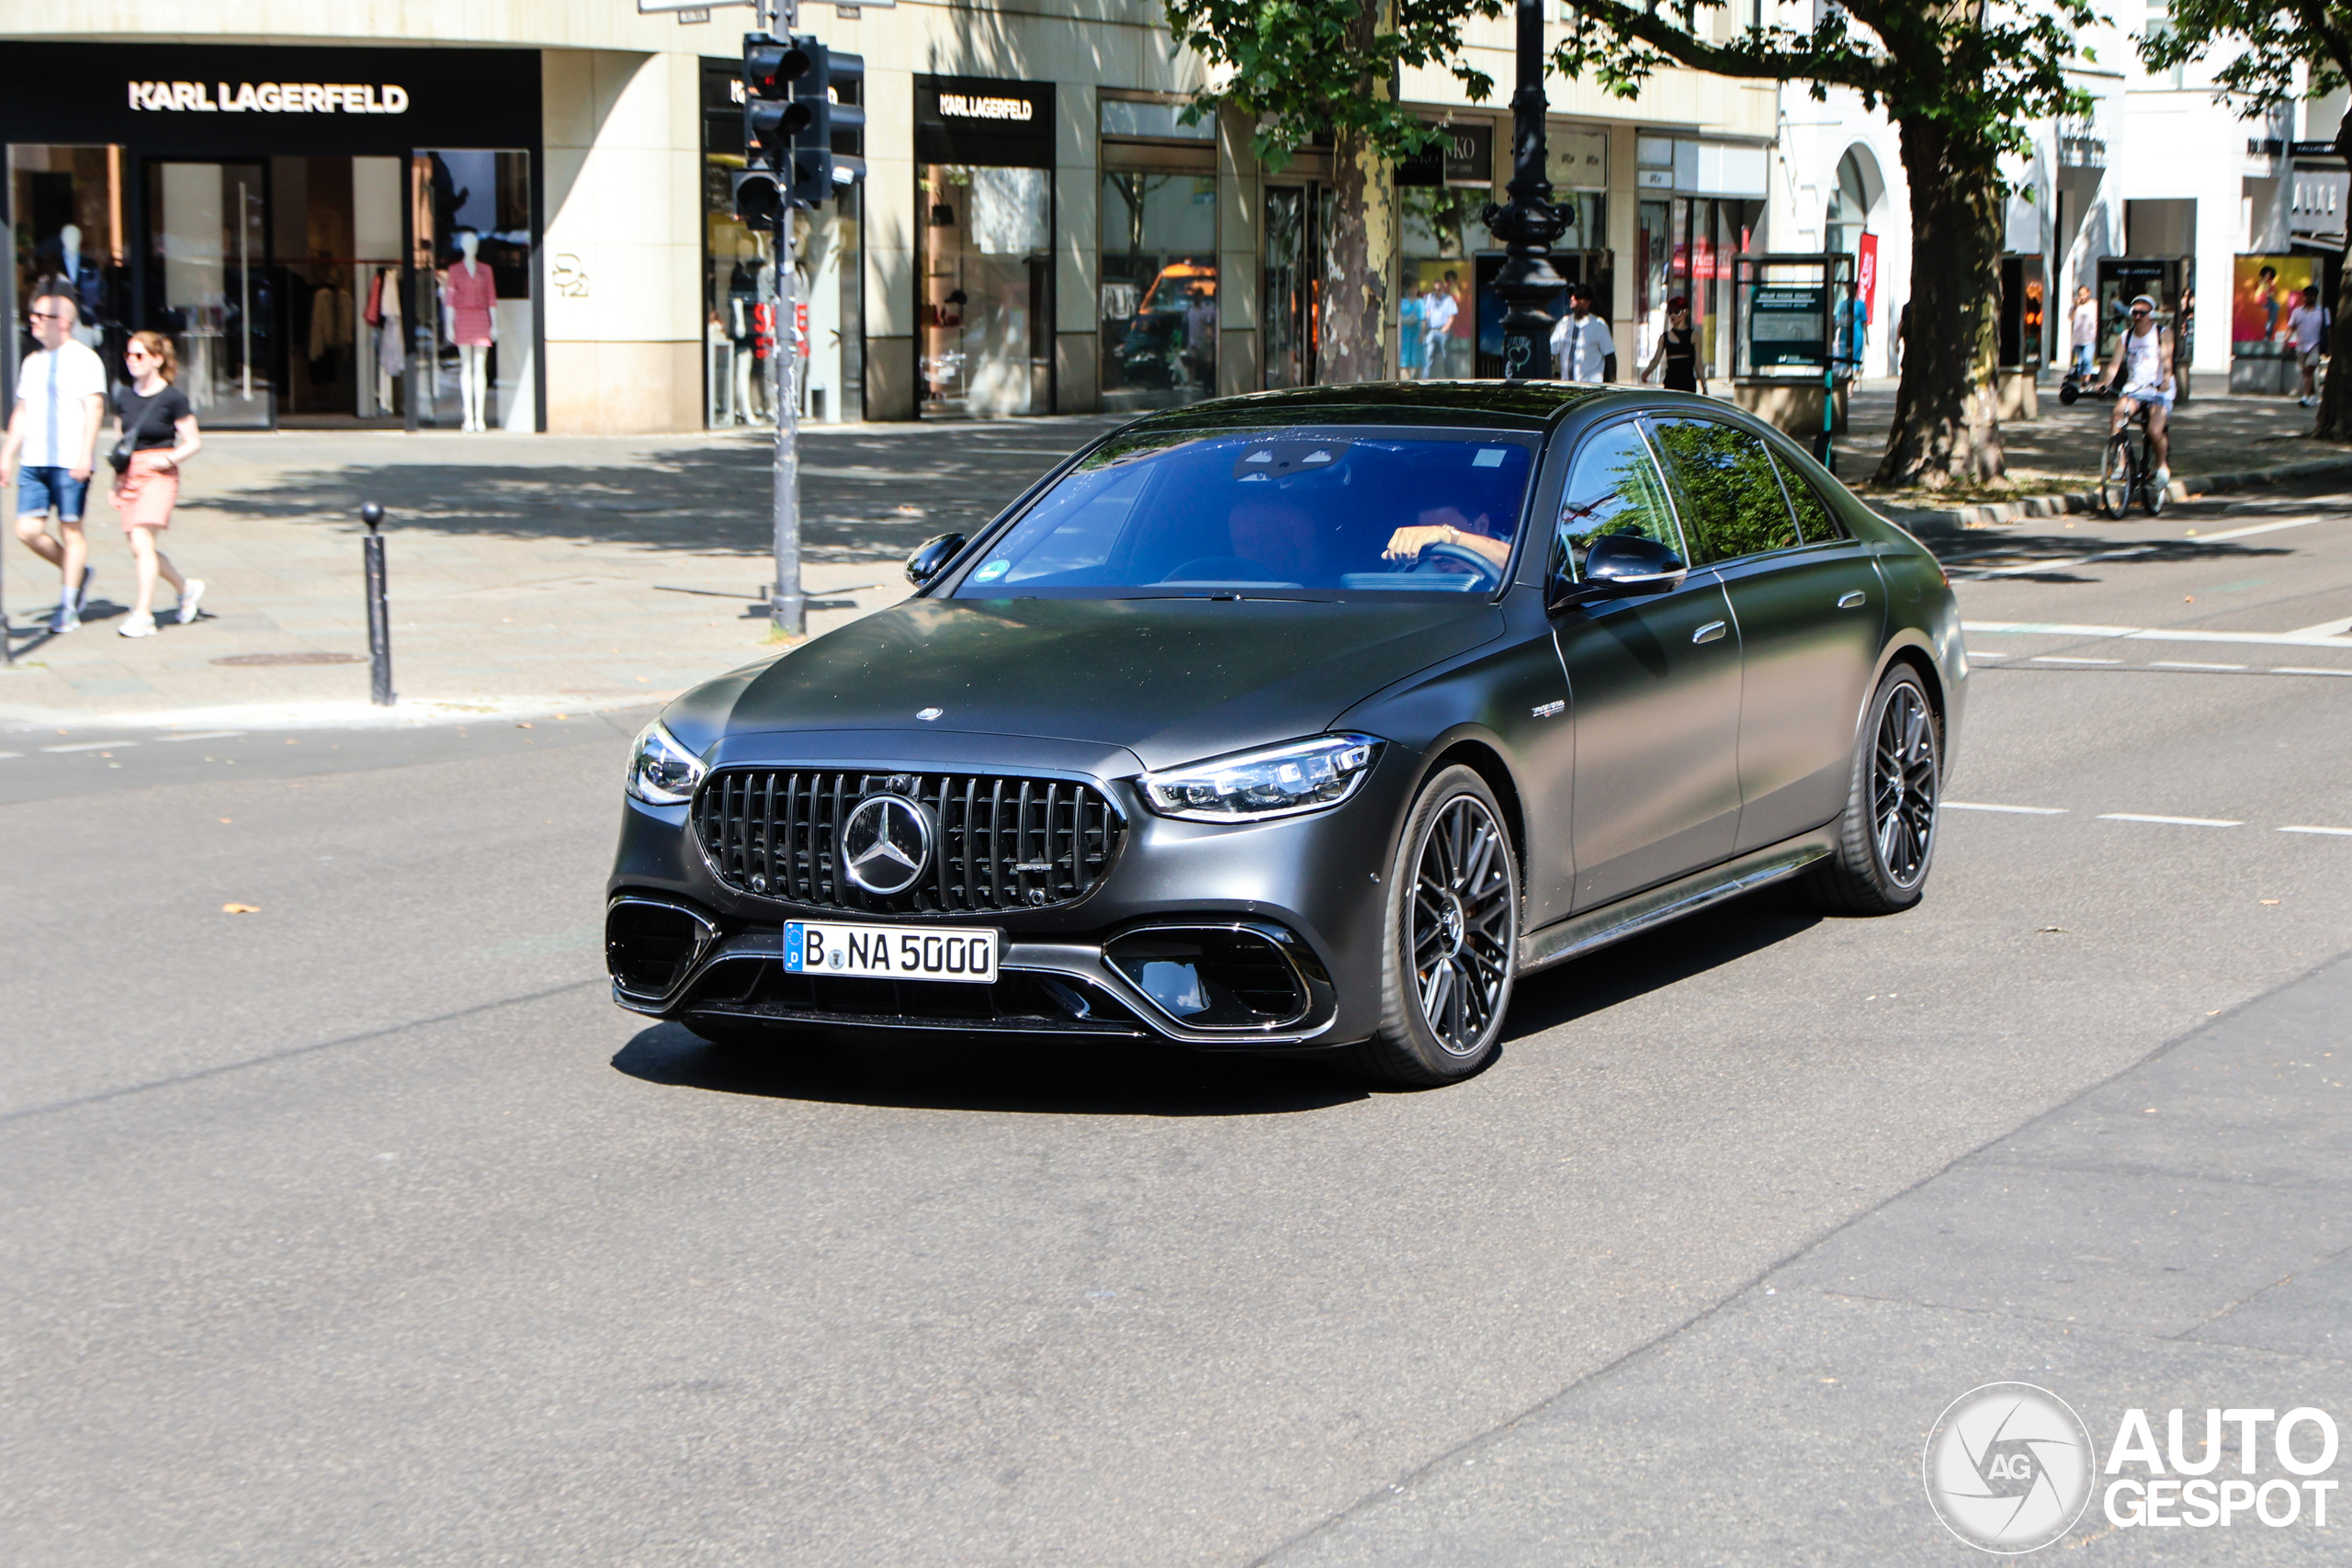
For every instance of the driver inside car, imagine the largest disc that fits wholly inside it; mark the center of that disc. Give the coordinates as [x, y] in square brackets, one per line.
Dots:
[1447, 526]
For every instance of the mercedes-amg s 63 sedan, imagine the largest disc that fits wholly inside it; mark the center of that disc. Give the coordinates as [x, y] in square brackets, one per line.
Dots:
[1305, 722]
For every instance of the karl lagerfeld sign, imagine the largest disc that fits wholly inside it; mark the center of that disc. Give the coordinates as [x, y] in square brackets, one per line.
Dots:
[269, 97]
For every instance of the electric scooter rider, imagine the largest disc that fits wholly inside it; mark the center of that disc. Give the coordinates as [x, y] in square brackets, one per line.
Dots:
[2141, 374]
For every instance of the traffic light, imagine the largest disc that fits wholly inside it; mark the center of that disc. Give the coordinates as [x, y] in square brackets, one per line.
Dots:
[820, 162]
[772, 116]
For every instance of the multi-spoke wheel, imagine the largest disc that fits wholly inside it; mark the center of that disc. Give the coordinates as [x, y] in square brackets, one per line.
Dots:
[1453, 921]
[2115, 475]
[1903, 787]
[1886, 841]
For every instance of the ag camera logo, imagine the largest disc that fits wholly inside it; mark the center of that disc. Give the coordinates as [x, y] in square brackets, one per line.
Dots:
[2008, 1467]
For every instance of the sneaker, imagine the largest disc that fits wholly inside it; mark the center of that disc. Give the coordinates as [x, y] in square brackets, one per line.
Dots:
[2163, 480]
[189, 598]
[137, 625]
[82, 595]
[2307, 403]
[64, 621]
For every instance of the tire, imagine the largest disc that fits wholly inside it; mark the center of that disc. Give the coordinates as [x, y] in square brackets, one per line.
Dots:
[2068, 393]
[1450, 952]
[1886, 839]
[2115, 476]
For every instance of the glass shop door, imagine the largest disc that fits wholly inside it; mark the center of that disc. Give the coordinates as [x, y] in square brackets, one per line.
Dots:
[210, 288]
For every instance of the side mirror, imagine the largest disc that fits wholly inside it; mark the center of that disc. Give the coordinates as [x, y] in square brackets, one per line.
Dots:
[931, 556]
[1620, 566]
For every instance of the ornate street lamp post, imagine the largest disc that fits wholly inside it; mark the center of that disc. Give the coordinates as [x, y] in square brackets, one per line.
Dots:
[1528, 224]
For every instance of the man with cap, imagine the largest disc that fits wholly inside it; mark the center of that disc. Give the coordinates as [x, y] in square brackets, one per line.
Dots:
[2141, 375]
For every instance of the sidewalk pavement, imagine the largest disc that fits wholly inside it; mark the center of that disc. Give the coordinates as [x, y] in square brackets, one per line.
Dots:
[527, 573]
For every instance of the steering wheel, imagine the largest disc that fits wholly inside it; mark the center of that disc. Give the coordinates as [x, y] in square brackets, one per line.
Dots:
[1489, 572]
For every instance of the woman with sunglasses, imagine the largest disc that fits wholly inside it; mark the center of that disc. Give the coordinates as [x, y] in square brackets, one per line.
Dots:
[157, 435]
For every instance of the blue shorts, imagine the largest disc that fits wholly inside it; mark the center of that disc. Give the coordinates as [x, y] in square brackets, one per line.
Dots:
[38, 488]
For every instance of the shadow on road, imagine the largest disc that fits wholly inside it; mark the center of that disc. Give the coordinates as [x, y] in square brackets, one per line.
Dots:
[1657, 959]
[1106, 1078]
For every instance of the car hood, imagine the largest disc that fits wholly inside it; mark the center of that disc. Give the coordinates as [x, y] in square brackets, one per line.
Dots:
[1170, 680]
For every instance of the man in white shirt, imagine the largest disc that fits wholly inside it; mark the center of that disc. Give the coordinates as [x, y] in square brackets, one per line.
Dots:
[2082, 331]
[60, 403]
[1582, 344]
[2307, 327]
[1437, 327]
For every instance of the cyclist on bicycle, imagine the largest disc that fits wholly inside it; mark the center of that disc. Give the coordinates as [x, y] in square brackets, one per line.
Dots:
[2141, 375]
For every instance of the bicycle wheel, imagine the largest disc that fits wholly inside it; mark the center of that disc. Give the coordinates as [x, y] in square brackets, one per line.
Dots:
[2115, 476]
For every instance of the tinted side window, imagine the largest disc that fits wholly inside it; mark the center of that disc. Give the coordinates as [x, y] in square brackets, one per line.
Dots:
[1815, 520]
[1614, 489]
[1731, 504]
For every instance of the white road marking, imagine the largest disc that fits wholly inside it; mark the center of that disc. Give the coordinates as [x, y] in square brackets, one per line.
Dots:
[2020, 810]
[6, 755]
[2062, 659]
[2257, 528]
[2332, 832]
[2183, 664]
[208, 734]
[2168, 821]
[1984, 653]
[92, 746]
[2326, 628]
[2306, 670]
[2153, 634]
[2021, 568]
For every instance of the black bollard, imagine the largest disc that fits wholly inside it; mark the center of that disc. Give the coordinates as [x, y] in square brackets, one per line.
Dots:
[379, 616]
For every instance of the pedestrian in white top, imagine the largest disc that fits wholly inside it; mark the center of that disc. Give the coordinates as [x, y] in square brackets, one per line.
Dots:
[2082, 331]
[1437, 326]
[2307, 325]
[1581, 341]
[60, 403]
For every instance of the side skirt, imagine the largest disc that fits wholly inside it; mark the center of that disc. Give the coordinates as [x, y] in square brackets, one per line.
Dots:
[1595, 929]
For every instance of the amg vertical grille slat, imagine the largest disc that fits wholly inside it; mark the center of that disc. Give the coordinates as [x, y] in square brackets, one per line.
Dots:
[776, 832]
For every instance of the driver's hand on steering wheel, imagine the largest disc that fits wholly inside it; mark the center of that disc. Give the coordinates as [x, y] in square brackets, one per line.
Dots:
[1443, 526]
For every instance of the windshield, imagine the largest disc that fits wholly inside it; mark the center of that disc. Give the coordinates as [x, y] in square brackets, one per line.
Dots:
[1358, 508]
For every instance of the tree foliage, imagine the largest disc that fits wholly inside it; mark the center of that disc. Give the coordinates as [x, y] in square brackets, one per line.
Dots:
[1307, 69]
[1964, 84]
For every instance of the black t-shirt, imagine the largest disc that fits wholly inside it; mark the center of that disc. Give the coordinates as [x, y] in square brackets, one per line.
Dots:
[151, 422]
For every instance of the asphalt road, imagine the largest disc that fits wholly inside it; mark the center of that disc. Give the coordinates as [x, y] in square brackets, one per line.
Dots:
[362, 1227]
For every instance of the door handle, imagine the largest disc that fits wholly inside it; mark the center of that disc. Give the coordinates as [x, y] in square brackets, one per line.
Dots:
[1712, 631]
[1848, 601]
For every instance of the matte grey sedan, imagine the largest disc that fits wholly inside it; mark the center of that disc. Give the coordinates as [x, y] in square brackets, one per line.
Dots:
[1306, 722]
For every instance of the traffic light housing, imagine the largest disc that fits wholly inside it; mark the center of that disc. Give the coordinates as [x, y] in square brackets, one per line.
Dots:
[820, 160]
[772, 113]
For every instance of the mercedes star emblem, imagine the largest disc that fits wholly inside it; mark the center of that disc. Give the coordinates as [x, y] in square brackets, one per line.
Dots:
[885, 843]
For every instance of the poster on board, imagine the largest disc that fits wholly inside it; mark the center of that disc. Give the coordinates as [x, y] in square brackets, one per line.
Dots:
[2264, 291]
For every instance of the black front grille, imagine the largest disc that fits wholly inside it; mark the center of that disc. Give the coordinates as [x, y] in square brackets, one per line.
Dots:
[998, 843]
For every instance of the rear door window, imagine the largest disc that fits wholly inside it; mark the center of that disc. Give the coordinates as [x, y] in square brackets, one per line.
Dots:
[1815, 520]
[1730, 497]
[1614, 487]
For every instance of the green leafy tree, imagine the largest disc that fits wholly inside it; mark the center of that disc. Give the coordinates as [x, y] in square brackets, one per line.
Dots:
[1963, 83]
[1310, 70]
[2262, 46]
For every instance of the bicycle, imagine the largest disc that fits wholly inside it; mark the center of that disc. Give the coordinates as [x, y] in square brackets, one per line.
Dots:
[2130, 469]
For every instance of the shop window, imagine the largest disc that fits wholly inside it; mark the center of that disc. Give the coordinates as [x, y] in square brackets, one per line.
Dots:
[1158, 319]
[1295, 259]
[68, 203]
[987, 315]
[210, 288]
[473, 326]
[1436, 305]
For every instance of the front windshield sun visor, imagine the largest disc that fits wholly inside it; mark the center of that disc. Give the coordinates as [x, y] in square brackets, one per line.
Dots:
[1346, 511]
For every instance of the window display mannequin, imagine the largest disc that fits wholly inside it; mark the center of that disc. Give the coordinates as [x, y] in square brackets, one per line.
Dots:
[469, 291]
[78, 276]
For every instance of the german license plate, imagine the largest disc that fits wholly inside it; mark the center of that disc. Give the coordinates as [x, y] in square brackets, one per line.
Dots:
[889, 952]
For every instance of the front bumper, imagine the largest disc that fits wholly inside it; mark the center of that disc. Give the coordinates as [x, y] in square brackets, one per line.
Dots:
[1301, 899]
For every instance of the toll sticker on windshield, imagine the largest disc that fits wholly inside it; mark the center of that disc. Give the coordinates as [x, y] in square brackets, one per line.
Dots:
[991, 571]
[1489, 457]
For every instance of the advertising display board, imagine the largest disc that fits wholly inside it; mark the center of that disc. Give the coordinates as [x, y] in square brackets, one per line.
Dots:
[2263, 292]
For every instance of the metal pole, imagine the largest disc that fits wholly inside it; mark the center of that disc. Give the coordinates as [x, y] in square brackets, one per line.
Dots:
[1529, 224]
[379, 616]
[787, 606]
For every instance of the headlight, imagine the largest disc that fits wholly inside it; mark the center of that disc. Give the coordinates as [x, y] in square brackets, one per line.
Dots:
[1306, 776]
[661, 771]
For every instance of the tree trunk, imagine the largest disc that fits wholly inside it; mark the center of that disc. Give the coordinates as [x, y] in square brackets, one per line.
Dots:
[1946, 412]
[2335, 397]
[1362, 243]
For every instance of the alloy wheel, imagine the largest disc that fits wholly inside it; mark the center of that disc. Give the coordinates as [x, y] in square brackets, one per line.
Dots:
[1904, 782]
[1463, 925]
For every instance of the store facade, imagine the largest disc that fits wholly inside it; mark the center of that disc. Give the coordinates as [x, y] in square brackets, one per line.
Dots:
[292, 218]
[1041, 229]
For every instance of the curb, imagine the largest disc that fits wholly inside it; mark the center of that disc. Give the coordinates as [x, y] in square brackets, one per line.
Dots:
[1991, 514]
